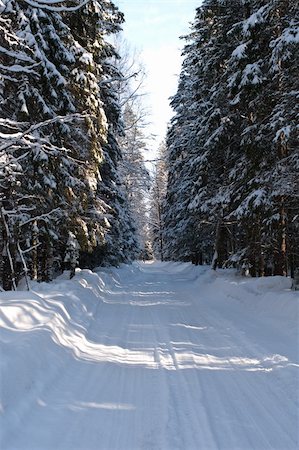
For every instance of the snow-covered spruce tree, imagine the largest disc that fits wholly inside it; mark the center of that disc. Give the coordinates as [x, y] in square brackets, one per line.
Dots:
[123, 241]
[262, 78]
[178, 241]
[52, 174]
[61, 176]
[197, 139]
[133, 141]
[115, 241]
[134, 174]
[283, 131]
[241, 144]
[212, 129]
[16, 66]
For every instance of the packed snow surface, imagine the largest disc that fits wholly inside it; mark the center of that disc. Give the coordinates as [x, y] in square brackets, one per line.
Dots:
[150, 356]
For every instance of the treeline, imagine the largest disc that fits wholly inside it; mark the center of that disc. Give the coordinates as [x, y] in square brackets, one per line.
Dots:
[232, 147]
[63, 202]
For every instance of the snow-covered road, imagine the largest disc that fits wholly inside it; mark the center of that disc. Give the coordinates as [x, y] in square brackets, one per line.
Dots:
[150, 356]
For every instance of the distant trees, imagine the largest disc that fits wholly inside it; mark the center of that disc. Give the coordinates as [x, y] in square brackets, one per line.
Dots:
[61, 196]
[135, 176]
[133, 141]
[232, 148]
[156, 204]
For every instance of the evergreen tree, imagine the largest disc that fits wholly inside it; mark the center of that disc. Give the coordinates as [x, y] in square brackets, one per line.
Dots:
[134, 174]
[61, 162]
[134, 140]
[157, 201]
[235, 149]
[261, 76]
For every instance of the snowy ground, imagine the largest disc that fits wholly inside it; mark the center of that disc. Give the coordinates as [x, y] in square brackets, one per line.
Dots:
[150, 356]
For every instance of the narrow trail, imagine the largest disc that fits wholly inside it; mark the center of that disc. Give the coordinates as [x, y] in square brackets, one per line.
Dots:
[161, 368]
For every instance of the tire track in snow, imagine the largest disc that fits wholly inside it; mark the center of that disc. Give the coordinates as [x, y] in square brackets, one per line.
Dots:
[187, 418]
[165, 371]
[252, 391]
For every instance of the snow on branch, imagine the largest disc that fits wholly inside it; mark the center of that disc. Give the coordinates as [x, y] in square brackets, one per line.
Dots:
[16, 68]
[63, 119]
[41, 217]
[16, 160]
[46, 4]
[18, 55]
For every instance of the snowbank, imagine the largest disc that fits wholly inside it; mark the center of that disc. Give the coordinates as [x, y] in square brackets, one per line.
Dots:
[268, 300]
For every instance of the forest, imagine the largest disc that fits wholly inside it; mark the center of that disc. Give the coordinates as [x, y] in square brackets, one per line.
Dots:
[149, 285]
[74, 187]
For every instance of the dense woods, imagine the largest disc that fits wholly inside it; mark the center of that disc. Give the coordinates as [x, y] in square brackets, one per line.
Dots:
[232, 146]
[62, 198]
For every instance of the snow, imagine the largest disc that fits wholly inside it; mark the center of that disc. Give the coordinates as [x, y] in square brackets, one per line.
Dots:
[240, 51]
[18, 55]
[150, 356]
[17, 68]
[283, 132]
[289, 36]
[251, 75]
[47, 6]
[256, 18]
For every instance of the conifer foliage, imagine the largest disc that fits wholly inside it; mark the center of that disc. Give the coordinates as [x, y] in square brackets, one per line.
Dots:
[232, 195]
[157, 197]
[133, 141]
[61, 196]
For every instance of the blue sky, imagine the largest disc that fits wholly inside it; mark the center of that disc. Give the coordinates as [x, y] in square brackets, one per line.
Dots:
[153, 27]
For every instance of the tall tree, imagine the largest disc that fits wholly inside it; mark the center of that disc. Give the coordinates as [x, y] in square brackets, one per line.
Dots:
[134, 139]
[134, 173]
[233, 154]
[61, 127]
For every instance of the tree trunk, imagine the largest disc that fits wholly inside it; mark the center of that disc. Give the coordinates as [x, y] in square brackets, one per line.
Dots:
[6, 274]
[34, 257]
[8, 254]
[220, 253]
[46, 260]
[280, 255]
